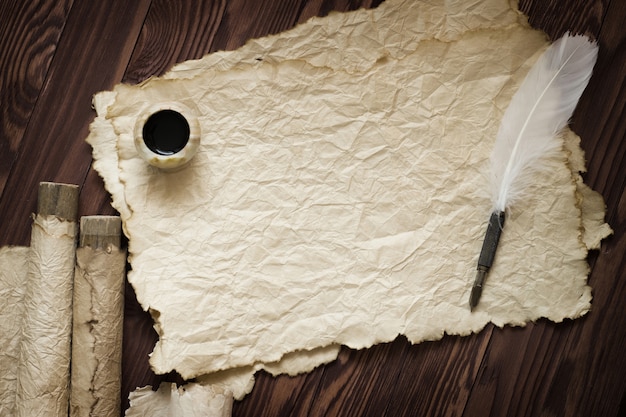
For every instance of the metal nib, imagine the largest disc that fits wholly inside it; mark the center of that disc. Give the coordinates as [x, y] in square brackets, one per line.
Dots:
[487, 255]
[477, 288]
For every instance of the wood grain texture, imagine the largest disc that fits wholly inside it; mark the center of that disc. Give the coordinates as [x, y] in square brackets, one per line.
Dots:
[323, 7]
[173, 32]
[55, 54]
[87, 59]
[576, 368]
[557, 17]
[100, 232]
[29, 33]
[58, 200]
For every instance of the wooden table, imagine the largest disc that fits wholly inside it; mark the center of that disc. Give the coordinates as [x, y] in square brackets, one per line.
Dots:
[55, 54]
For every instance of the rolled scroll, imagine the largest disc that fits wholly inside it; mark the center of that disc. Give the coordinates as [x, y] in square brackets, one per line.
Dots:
[13, 275]
[44, 359]
[98, 319]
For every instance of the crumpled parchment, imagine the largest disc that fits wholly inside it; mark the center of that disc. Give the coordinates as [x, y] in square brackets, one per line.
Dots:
[42, 383]
[98, 307]
[13, 276]
[39, 294]
[191, 400]
[340, 192]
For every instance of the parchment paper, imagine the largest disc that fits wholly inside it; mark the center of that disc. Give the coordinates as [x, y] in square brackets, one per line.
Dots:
[191, 400]
[340, 192]
[44, 357]
[97, 332]
[13, 276]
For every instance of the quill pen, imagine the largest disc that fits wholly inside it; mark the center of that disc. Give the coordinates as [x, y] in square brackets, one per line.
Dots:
[529, 133]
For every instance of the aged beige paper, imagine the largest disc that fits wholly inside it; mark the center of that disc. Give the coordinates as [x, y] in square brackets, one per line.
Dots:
[355, 41]
[98, 306]
[240, 380]
[13, 276]
[191, 400]
[42, 386]
[340, 192]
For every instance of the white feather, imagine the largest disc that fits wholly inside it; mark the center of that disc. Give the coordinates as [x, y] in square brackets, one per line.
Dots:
[539, 110]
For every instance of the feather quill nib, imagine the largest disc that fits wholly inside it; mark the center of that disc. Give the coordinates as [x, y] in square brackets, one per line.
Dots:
[529, 134]
[487, 255]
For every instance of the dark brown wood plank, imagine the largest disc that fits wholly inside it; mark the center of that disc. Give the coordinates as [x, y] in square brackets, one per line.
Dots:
[328, 389]
[280, 396]
[599, 118]
[29, 33]
[514, 362]
[173, 32]
[323, 7]
[89, 57]
[95, 200]
[391, 379]
[576, 368]
[557, 17]
[414, 380]
[244, 20]
[437, 377]
[55, 54]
